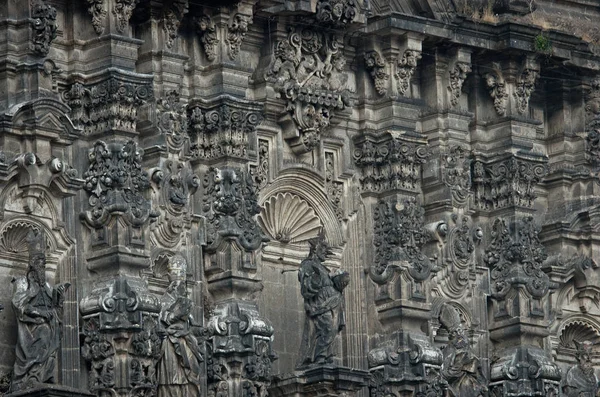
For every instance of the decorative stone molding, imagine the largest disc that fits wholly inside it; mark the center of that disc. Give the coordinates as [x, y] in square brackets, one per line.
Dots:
[497, 87]
[405, 69]
[223, 128]
[592, 125]
[333, 188]
[173, 14]
[398, 237]
[525, 85]
[337, 12]
[575, 332]
[172, 120]
[457, 174]
[320, 381]
[307, 70]
[508, 182]
[208, 36]
[287, 218]
[457, 76]
[390, 161]
[43, 26]
[110, 105]
[375, 65]
[123, 10]
[236, 32]
[261, 171]
[97, 9]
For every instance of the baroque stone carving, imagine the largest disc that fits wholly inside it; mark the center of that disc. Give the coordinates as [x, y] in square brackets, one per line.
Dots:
[38, 308]
[510, 181]
[178, 368]
[172, 120]
[390, 161]
[581, 379]
[516, 260]
[525, 85]
[497, 87]
[43, 25]
[261, 172]
[336, 12]
[116, 182]
[461, 369]
[457, 75]
[208, 36]
[173, 14]
[223, 130]
[592, 126]
[399, 235]
[333, 188]
[375, 65]
[289, 219]
[405, 69]
[107, 106]
[123, 10]
[236, 32]
[457, 174]
[98, 12]
[323, 305]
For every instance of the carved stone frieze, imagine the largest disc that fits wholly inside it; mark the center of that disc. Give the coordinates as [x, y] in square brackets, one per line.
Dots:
[173, 14]
[307, 70]
[498, 91]
[43, 26]
[333, 188]
[116, 183]
[592, 125]
[457, 76]
[236, 32]
[507, 182]
[223, 129]
[375, 65]
[457, 174]
[172, 120]
[525, 85]
[405, 69]
[261, 171]
[123, 10]
[110, 105]
[390, 161]
[398, 238]
[208, 36]
[337, 12]
[97, 9]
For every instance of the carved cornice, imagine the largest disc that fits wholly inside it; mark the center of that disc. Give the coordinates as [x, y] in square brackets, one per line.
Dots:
[43, 26]
[390, 161]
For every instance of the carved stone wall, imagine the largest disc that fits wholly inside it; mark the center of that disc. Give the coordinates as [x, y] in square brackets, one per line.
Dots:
[180, 159]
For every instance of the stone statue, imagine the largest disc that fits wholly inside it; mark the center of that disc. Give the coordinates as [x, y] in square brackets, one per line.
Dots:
[581, 381]
[323, 303]
[461, 368]
[179, 369]
[38, 309]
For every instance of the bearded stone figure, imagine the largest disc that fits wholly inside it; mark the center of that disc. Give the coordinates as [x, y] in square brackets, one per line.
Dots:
[179, 365]
[38, 309]
[581, 381]
[323, 304]
[461, 369]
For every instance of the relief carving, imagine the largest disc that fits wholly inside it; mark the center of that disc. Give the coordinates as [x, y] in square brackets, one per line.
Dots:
[525, 86]
[337, 12]
[497, 88]
[43, 25]
[172, 120]
[333, 188]
[289, 219]
[375, 65]
[173, 14]
[260, 172]
[236, 32]
[123, 10]
[405, 69]
[98, 12]
[208, 36]
[592, 126]
[457, 174]
[457, 76]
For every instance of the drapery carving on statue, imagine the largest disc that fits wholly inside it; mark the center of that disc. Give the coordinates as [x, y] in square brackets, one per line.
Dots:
[461, 369]
[43, 26]
[179, 367]
[115, 182]
[39, 311]
[399, 236]
[581, 380]
[308, 70]
[323, 304]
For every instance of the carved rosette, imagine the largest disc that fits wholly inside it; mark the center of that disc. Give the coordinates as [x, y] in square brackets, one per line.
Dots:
[123, 10]
[223, 129]
[375, 65]
[398, 238]
[497, 87]
[390, 161]
[208, 36]
[457, 76]
[108, 106]
[172, 120]
[508, 182]
[457, 174]
[98, 12]
[592, 125]
[43, 26]
[116, 183]
[173, 14]
[405, 69]
[307, 70]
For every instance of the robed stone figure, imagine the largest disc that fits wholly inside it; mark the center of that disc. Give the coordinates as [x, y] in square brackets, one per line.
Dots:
[38, 308]
[179, 365]
[581, 380]
[323, 304]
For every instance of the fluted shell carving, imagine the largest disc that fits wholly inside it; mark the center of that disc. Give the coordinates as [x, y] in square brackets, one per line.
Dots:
[578, 331]
[13, 237]
[289, 219]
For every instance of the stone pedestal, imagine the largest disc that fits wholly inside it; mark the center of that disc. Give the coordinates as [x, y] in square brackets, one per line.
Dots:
[51, 391]
[319, 381]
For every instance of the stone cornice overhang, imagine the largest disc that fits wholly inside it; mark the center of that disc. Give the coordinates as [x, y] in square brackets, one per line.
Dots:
[503, 36]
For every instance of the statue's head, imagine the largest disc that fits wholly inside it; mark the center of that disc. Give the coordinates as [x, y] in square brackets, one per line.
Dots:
[584, 353]
[319, 247]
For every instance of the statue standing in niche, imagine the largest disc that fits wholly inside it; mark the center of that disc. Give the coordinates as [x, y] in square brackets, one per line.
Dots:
[581, 381]
[179, 365]
[323, 304]
[461, 369]
[38, 309]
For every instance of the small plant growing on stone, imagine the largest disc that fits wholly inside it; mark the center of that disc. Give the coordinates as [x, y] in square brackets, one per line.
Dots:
[542, 44]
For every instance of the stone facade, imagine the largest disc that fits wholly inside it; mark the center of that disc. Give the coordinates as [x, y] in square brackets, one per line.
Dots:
[300, 198]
